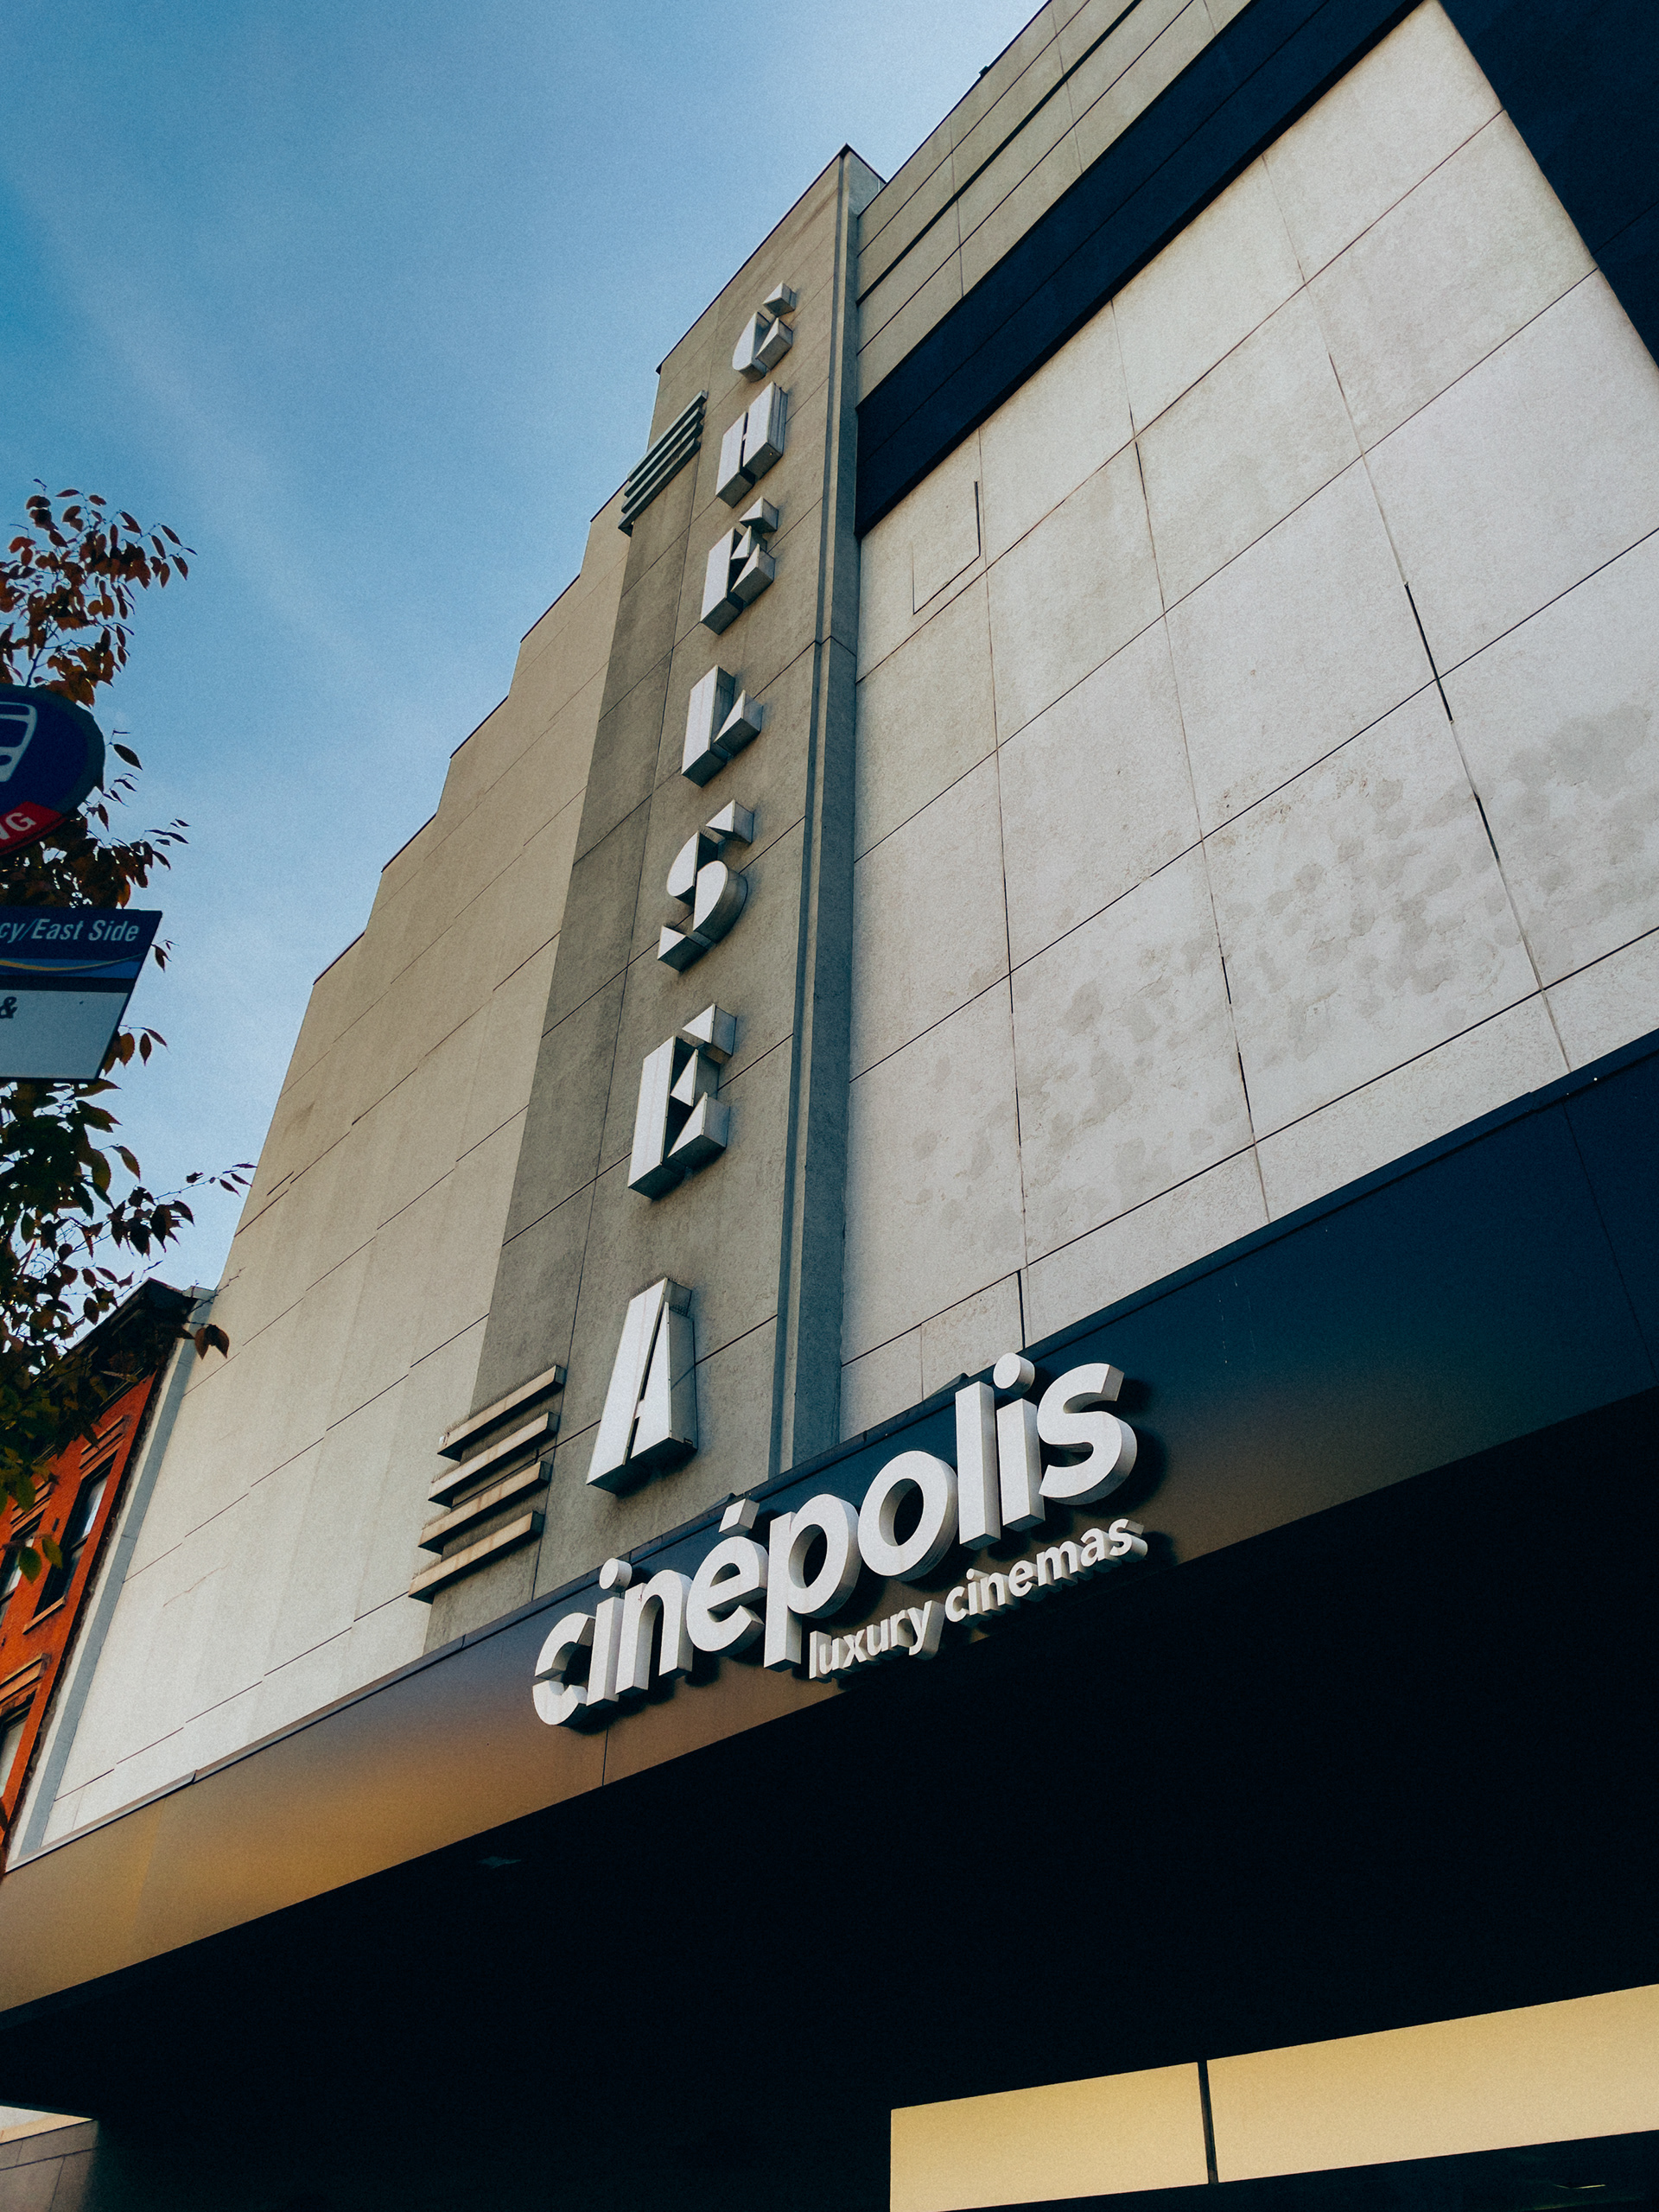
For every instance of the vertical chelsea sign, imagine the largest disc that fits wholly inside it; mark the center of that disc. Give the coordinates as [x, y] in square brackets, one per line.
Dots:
[681, 1126]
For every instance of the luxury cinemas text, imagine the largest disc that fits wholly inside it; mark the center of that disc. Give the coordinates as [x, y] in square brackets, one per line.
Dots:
[914, 1631]
[1015, 1459]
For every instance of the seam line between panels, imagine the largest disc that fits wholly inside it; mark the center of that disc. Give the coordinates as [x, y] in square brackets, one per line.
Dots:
[1455, 668]
[1363, 452]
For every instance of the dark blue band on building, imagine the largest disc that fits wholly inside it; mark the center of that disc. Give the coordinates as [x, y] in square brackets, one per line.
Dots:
[1582, 85]
[1585, 105]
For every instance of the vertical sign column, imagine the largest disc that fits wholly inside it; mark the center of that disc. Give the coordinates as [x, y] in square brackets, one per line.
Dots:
[684, 1259]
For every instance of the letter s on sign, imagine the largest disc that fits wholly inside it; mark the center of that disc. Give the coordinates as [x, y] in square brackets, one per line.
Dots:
[1072, 1417]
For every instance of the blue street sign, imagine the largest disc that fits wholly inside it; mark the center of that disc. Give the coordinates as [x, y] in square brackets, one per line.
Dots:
[51, 755]
[65, 975]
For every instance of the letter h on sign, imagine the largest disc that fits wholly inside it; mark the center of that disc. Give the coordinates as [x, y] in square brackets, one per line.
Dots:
[752, 445]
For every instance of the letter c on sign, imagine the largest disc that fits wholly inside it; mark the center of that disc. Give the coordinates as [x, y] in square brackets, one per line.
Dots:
[557, 1701]
[933, 1534]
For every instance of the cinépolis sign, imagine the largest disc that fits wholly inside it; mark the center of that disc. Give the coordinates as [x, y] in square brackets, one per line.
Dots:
[1017, 1457]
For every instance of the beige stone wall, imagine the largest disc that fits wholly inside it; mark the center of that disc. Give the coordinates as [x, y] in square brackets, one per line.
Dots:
[270, 1572]
[1190, 886]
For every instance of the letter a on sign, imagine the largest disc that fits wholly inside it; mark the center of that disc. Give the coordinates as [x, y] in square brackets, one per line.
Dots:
[650, 1409]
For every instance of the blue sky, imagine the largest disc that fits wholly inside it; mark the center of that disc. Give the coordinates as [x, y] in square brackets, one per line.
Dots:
[366, 301]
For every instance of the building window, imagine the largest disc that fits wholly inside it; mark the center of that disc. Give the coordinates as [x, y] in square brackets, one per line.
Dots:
[73, 1542]
[11, 1735]
[11, 1568]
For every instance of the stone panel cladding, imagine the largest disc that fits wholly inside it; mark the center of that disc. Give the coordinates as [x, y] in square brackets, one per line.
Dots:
[1258, 733]
[271, 1570]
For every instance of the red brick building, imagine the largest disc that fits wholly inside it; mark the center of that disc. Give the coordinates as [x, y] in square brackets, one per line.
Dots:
[76, 1498]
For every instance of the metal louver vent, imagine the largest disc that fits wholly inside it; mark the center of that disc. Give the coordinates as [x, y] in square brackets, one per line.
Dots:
[678, 442]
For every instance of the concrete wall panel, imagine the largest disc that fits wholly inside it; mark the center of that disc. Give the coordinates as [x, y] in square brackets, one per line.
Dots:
[1294, 881]
[271, 1571]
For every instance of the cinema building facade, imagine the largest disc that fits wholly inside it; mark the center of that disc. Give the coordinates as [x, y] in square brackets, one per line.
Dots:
[936, 1485]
